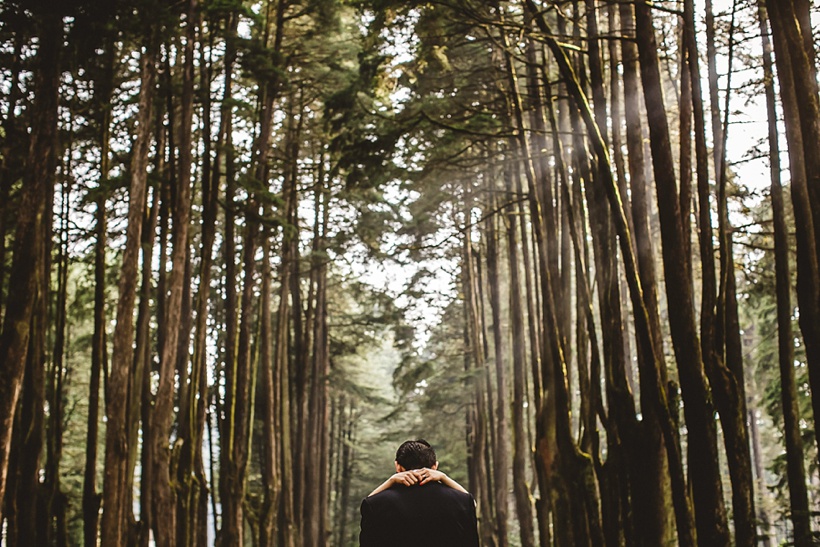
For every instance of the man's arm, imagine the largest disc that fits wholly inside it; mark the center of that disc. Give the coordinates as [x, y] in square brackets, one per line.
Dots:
[471, 539]
[367, 535]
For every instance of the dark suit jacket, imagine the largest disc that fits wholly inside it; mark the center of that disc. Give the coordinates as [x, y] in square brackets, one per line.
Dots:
[432, 515]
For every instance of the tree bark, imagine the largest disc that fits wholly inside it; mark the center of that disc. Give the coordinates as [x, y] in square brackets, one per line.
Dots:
[26, 270]
[99, 349]
[802, 120]
[317, 483]
[708, 496]
[33, 516]
[163, 476]
[477, 426]
[239, 396]
[116, 443]
[501, 456]
[286, 532]
[270, 407]
[729, 391]
[578, 506]
[651, 510]
[521, 452]
[795, 470]
[236, 443]
[652, 90]
[54, 500]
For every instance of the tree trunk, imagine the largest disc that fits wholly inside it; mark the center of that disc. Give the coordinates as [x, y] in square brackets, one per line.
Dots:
[714, 99]
[685, 194]
[477, 428]
[192, 507]
[140, 400]
[795, 470]
[12, 164]
[348, 459]
[239, 396]
[652, 510]
[91, 499]
[765, 538]
[730, 392]
[316, 484]
[229, 370]
[620, 428]
[163, 476]
[269, 407]
[33, 526]
[708, 496]
[501, 456]
[286, 527]
[236, 443]
[54, 502]
[521, 452]
[116, 441]
[99, 348]
[26, 270]
[802, 120]
[684, 518]
[574, 485]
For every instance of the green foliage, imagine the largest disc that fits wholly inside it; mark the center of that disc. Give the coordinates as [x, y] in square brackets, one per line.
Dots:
[260, 62]
[759, 318]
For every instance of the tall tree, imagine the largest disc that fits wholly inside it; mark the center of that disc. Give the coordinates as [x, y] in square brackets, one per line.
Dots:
[163, 495]
[802, 120]
[798, 495]
[29, 246]
[117, 389]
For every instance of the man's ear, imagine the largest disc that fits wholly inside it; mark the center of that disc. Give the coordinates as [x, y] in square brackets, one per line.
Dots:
[435, 465]
[399, 467]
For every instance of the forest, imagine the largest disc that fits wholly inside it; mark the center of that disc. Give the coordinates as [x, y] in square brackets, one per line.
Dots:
[248, 247]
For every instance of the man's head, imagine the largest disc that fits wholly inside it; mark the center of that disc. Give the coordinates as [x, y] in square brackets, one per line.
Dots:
[415, 455]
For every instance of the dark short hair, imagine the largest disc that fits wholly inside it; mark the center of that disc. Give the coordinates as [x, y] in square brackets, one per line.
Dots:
[416, 454]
